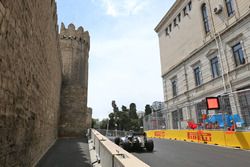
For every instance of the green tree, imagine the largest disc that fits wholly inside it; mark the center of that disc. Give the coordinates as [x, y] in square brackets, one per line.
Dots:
[126, 119]
[148, 109]
[116, 118]
[95, 123]
[112, 121]
[124, 108]
[134, 124]
[132, 111]
[115, 108]
[104, 123]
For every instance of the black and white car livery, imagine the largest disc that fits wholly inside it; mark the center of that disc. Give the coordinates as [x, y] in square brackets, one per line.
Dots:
[135, 141]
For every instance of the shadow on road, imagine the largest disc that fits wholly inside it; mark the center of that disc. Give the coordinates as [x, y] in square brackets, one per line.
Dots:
[71, 152]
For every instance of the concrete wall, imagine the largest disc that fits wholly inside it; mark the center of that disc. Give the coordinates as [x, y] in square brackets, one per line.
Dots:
[110, 154]
[30, 80]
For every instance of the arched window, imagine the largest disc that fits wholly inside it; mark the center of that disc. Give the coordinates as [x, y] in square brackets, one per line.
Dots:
[205, 18]
[230, 9]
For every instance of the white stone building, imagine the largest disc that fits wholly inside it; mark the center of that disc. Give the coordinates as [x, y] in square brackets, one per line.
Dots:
[205, 51]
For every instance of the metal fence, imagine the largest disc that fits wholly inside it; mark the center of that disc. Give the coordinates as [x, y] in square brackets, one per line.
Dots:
[234, 114]
[156, 120]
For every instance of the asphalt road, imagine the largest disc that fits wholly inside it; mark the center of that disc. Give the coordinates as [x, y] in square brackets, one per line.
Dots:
[169, 153]
[67, 152]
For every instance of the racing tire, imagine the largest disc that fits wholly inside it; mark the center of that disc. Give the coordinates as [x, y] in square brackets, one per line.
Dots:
[117, 141]
[136, 145]
[150, 145]
[126, 146]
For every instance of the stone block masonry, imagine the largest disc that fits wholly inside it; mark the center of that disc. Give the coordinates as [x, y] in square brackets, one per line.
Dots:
[30, 80]
[74, 115]
[43, 81]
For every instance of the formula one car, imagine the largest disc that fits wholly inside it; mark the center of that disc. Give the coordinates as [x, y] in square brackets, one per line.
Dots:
[135, 141]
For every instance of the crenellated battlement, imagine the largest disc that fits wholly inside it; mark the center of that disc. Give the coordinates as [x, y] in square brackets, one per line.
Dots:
[72, 33]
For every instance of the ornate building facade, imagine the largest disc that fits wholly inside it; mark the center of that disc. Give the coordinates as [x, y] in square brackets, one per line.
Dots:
[205, 51]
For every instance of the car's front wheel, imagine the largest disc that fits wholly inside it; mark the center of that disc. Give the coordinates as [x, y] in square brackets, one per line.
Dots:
[150, 145]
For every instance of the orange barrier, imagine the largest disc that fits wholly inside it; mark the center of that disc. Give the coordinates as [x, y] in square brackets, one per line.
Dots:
[222, 138]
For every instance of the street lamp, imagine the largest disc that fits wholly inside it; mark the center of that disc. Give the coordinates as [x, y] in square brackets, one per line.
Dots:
[116, 118]
[115, 129]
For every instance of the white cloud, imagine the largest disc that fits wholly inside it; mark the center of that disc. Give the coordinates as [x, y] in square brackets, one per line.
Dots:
[122, 7]
[110, 8]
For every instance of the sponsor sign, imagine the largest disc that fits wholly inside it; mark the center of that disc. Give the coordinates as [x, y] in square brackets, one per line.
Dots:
[159, 134]
[213, 103]
[199, 136]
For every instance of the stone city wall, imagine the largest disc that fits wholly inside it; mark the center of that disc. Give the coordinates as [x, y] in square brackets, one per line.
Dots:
[30, 80]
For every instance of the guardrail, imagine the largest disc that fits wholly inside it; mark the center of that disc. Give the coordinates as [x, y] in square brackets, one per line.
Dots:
[105, 153]
[112, 133]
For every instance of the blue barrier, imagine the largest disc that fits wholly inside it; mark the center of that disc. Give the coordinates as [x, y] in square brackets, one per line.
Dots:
[228, 120]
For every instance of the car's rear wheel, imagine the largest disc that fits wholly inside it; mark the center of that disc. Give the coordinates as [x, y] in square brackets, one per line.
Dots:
[117, 140]
[150, 145]
[136, 145]
[126, 146]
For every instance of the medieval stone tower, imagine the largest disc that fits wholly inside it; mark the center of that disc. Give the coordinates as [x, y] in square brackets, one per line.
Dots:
[75, 116]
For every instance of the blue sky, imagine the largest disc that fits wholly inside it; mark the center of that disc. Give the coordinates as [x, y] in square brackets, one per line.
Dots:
[124, 61]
